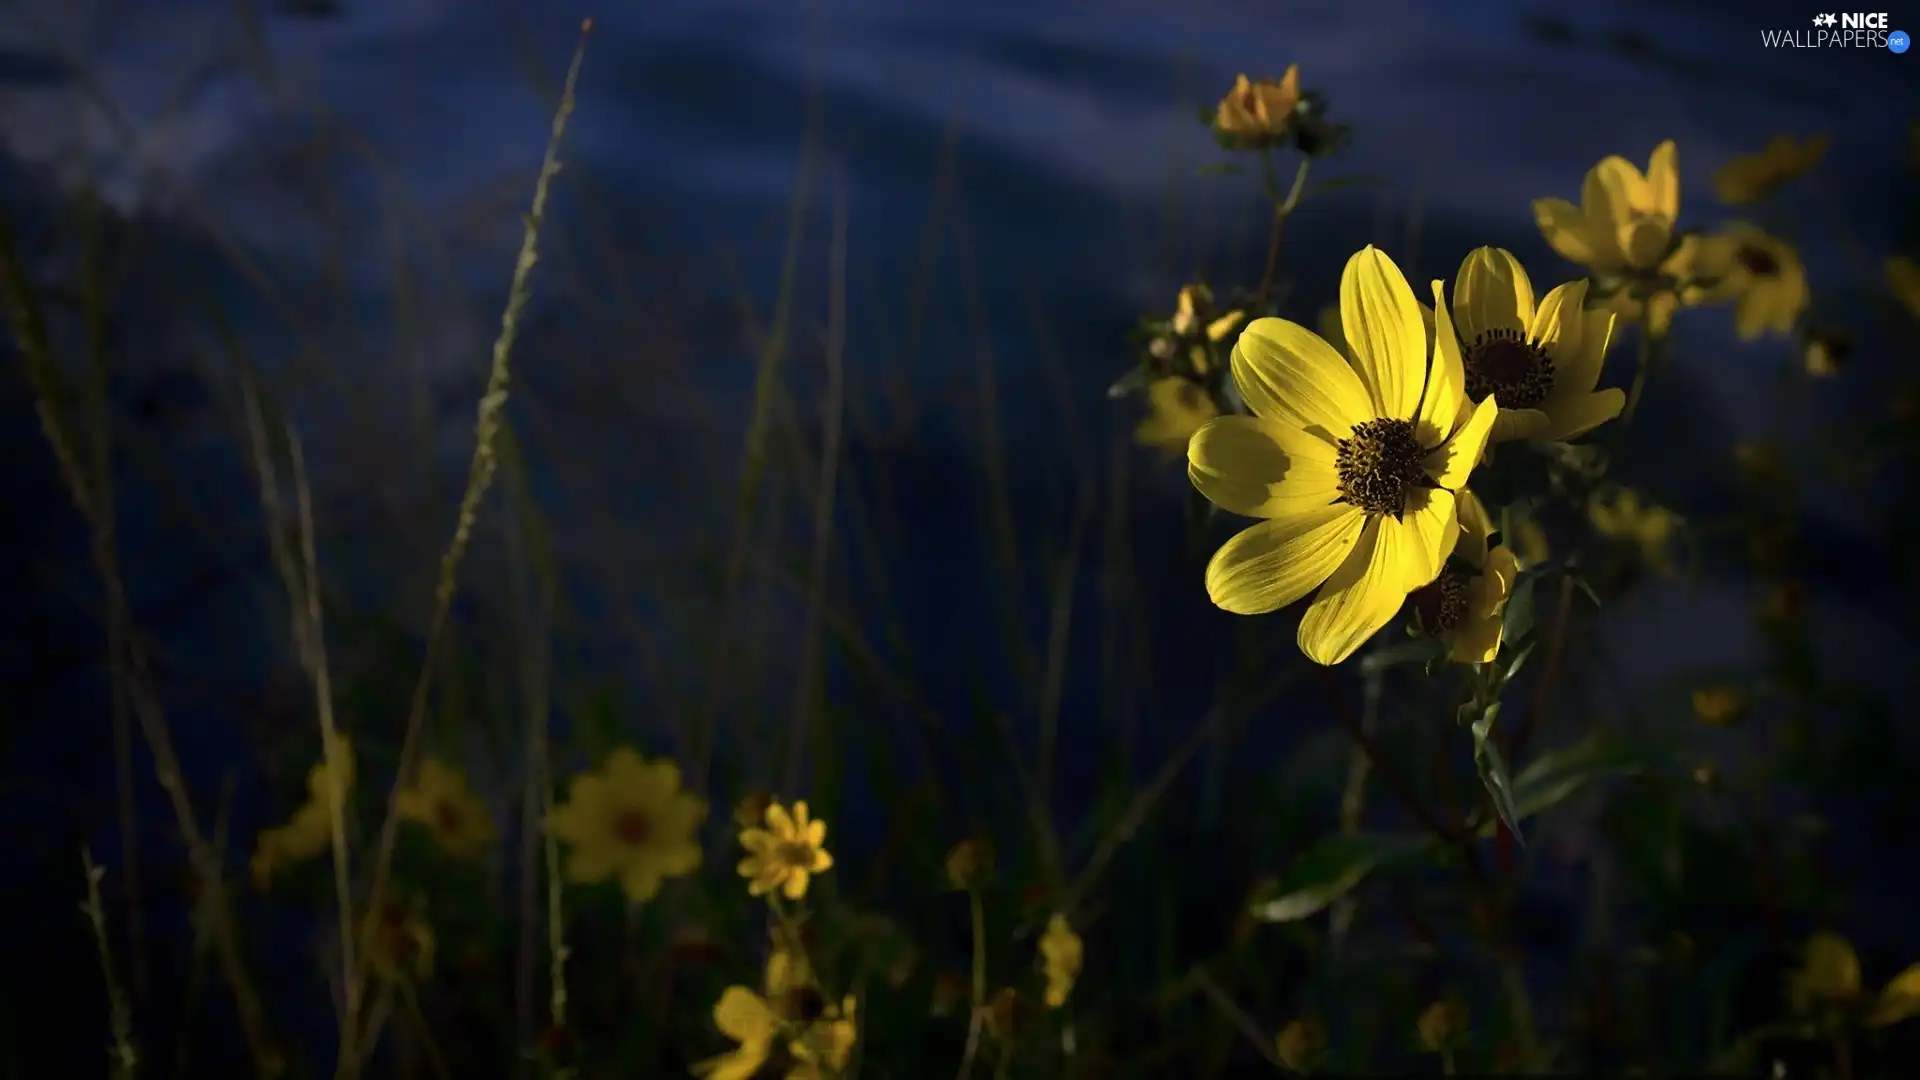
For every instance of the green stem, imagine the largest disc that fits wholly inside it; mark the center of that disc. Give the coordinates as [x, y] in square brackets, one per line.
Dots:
[1650, 344]
[1283, 208]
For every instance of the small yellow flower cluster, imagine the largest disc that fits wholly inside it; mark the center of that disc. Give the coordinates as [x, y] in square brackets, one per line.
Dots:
[310, 830]
[1179, 398]
[441, 801]
[1061, 956]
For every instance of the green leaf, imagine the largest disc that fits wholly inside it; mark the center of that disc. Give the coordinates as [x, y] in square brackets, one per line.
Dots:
[1222, 168]
[1330, 869]
[1418, 650]
[1516, 622]
[1493, 771]
[1555, 776]
[1586, 589]
[1131, 382]
[1515, 658]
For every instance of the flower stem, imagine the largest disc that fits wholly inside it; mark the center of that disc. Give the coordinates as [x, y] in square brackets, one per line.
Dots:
[1283, 208]
[1650, 343]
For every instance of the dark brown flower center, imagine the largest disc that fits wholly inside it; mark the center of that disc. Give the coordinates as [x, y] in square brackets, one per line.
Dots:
[631, 827]
[796, 855]
[1505, 364]
[1379, 465]
[448, 817]
[1440, 605]
[1757, 260]
[1190, 396]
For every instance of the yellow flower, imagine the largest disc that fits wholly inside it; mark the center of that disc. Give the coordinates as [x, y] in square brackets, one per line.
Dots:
[1825, 355]
[1176, 407]
[1462, 606]
[1300, 1044]
[402, 941]
[786, 854]
[1193, 308]
[1903, 278]
[1530, 543]
[1352, 461]
[1749, 178]
[1441, 1024]
[309, 831]
[1061, 953]
[825, 1046]
[630, 820]
[1541, 362]
[1625, 219]
[1720, 705]
[1647, 527]
[441, 800]
[1258, 111]
[1763, 276]
[790, 1006]
[747, 1019]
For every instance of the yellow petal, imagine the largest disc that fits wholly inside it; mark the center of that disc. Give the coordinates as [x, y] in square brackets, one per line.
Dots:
[1433, 515]
[1218, 329]
[1574, 417]
[1476, 640]
[1364, 593]
[1276, 562]
[1261, 468]
[1663, 178]
[1513, 424]
[1568, 232]
[816, 833]
[1560, 324]
[1476, 525]
[1453, 461]
[796, 886]
[743, 1016]
[1444, 402]
[1609, 194]
[1491, 292]
[1385, 331]
[779, 822]
[1577, 372]
[1899, 999]
[640, 881]
[1285, 372]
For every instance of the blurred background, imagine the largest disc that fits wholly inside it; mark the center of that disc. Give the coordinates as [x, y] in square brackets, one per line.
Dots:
[945, 219]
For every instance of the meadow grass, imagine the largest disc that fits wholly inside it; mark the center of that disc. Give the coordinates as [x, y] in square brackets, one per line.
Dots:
[1363, 905]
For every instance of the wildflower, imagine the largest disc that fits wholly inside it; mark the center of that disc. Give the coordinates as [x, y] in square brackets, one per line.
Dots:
[1442, 1024]
[1828, 982]
[1720, 705]
[1541, 362]
[402, 941]
[789, 1004]
[1463, 604]
[1194, 325]
[824, 1047]
[1301, 1043]
[1825, 355]
[629, 819]
[786, 853]
[1648, 528]
[1530, 543]
[1353, 462]
[441, 800]
[309, 831]
[1257, 112]
[1749, 178]
[969, 863]
[1061, 953]
[1903, 278]
[1176, 408]
[1763, 276]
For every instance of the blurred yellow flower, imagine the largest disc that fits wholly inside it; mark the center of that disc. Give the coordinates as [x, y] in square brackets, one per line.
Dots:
[1648, 528]
[789, 1003]
[1541, 363]
[747, 1019]
[629, 820]
[1763, 276]
[824, 1047]
[1625, 219]
[1899, 999]
[1903, 278]
[441, 800]
[1828, 981]
[1530, 543]
[1301, 1043]
[786, 854]
[1463, 605]
[309, 831]
[1442, 1024]
[1061, 954]
[1748, 178]
[969, 863]
[402, 942]
[1256, 112]
[1720, 705]
[1824, 356]
[1176, 407]
[1193, 316]
[1352, 461]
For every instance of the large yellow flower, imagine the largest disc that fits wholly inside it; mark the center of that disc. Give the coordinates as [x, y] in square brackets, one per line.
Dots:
[1749, 178]
[1763, 276]
[786, 854]
[1624, 229]
[629, 820]
[1258, 111]
[1352, 460]
[1541, 362]
[1061, 954]
[1463, 605]
[441, 800]
[1903, 278]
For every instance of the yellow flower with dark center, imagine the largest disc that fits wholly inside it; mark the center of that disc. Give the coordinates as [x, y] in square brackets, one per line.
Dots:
[1749, 178]
[1720, 705]
[309, 831]
[1824, 356]
[629, 820]
[786, 853]
[441, 801]
[1543, 361]
[1764, 278]
[1646, 528]
[825, 1046]
[1903, 278]
[1352, 461]
[402, 942]
[789, 1006]
[1463, 605]
[1061, 954]
[1176, 407]
[1257, 112]
[1828, 982]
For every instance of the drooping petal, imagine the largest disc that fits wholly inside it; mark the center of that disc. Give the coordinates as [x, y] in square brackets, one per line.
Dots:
[1569, 232]
[1573, 417]
[1274, 563]
[1364, 593]
[1444, 402]
[1491, 292]
[1285, 372]
[1261, 468]
[1385, 332]
[1453, 461]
